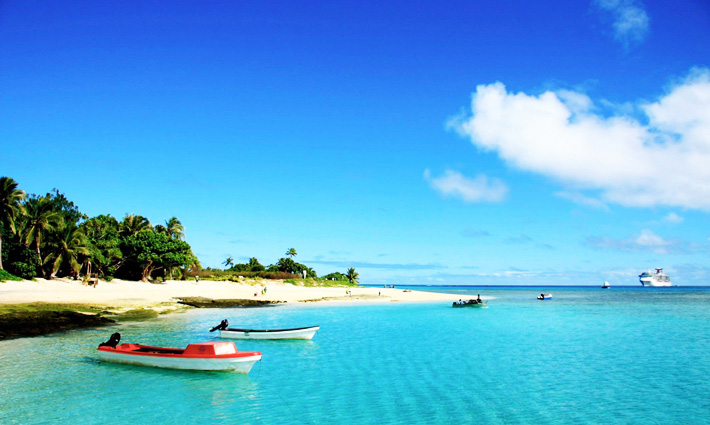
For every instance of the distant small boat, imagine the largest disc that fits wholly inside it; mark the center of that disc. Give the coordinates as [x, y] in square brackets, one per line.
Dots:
[544, 297]
[292, 333]
[606, 285]
[212, 355]
[470, 304]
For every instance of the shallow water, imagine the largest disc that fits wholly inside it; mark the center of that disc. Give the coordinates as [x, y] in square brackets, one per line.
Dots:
[614, 356]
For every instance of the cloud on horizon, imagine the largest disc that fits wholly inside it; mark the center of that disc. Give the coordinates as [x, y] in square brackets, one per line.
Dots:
[479, 189]
[630, 20]
[564, 136]
[646, 241]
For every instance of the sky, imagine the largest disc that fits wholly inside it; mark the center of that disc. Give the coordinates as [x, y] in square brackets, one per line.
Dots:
[456, 143]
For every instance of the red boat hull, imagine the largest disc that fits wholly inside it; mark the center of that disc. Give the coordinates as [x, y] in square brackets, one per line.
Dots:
[212, 355]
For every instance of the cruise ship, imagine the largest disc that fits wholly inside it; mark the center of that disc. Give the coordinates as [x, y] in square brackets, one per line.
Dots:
[657, 278]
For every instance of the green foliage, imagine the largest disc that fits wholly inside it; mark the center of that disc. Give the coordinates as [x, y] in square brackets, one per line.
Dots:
[134, 224]
[228, 275]
[59, 203]
[10, 202]
[255, 266]
[104, 241]
[335, 276]
[66, 245]
[5, 275]
[320, 283]
[352, 275]
[173, 228]
[39, 219]
[149, 250]
[49, 233]
[287, 265]
[17, 258]
[252, 266]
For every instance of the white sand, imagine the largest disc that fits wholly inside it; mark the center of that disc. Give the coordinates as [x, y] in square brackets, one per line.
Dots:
[128, 294]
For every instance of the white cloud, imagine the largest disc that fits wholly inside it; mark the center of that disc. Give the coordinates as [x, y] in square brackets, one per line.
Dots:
[649, 240]
[479, 189]
[630, 21]
[581, 199]
[646, 241]
[661, 162]
[673, 218]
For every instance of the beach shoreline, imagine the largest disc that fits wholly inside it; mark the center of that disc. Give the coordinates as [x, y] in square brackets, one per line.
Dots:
[136, 294]
[22, 303]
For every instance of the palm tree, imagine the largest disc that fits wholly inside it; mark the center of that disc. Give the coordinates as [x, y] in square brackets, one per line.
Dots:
[40, 218]
[286, 265]
[228, 262]
[10, 206]
[352, 275]
[134, 224]
[70, 243]
[255, 266]
[174, 228]
[291, 252]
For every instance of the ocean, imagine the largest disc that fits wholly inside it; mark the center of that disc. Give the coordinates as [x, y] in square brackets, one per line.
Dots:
[587, 356]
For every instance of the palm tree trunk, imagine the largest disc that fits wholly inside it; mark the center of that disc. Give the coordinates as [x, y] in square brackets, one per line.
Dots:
[39, 259]
[1, 251]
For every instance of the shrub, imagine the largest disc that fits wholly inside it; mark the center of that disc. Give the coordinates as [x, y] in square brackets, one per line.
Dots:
[5, 275]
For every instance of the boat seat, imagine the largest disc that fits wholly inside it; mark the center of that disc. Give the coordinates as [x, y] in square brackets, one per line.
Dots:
[159, 350]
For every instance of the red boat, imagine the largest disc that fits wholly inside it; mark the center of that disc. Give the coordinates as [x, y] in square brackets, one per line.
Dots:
[211, 355]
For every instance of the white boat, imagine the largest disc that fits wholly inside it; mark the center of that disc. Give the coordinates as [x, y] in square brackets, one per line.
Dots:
[544, 297]
[212, 356]
[657, 278]
[292, 333]
[606, 285]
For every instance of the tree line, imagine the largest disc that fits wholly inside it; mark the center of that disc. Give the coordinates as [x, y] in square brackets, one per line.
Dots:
[48, 236]
[287, 265]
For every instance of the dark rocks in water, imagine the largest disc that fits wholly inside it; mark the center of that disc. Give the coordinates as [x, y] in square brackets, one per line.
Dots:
[202, 302]
[33, 323]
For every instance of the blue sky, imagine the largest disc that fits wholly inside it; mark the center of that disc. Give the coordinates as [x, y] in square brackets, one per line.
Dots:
[487, 142]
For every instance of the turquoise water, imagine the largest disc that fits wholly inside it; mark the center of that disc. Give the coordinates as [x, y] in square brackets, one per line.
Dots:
[588, 356]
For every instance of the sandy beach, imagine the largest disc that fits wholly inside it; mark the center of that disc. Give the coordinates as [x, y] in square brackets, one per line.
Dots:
[129, 294]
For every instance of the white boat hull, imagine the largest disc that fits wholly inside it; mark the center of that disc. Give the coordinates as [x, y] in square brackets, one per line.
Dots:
[305, 333]
[655, 279]
[655, 282]
[237, 365]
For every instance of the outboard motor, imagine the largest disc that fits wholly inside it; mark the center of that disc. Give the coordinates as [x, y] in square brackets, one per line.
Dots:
[112, 342]
[222, 326]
